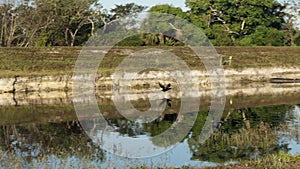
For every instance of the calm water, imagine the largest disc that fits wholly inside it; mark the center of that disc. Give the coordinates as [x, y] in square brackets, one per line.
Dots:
[49, 135]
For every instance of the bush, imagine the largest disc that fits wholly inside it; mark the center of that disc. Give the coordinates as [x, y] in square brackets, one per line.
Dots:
[263, 36]
[131, 41]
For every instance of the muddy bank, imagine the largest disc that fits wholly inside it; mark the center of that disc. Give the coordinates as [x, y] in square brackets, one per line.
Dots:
[244, 91]
[58, 89]
[56, 106]
[146, 80]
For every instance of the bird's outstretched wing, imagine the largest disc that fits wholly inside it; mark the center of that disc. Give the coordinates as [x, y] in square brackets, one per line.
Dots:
[169, 85]
[162, 86]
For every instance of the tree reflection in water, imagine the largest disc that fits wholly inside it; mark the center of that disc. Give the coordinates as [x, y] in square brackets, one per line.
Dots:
[245, 133]
[242, 134]
[28, 141]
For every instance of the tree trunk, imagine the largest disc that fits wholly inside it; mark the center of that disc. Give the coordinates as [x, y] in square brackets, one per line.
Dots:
[12, 30]
[243, 24]
[66, 36]
[93, 26]
[3, 24]
[161, 38]
[72, 39]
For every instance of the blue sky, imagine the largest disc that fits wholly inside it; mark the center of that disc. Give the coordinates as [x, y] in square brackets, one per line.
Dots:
[108, 4]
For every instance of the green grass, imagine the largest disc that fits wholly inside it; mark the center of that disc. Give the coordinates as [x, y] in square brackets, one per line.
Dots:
[262, 56]
[274, 161]
[280, 160]
[61, 60]
[37, 61]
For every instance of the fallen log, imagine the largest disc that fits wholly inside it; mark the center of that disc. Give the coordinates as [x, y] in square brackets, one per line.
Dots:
[284, 80]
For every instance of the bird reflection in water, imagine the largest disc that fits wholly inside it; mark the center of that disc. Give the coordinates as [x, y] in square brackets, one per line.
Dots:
[167, 101]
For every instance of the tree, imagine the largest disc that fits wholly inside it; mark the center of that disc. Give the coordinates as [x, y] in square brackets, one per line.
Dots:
[124, 10]
[71, 16]
[8, 24]
[39, 22]
[13, 17]
[23, 21]
[293, 12]
[218, 35]
[264, 36]
[165, 24]
[233, 140]
[120, 11]
[238, 18]
[169, 10]
[35, 20]
[297, 37]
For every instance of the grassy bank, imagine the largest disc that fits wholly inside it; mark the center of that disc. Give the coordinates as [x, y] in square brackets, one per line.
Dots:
[280, 160]
[61, 60]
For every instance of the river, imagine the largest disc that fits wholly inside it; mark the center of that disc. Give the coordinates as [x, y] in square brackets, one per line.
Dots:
[41, 129]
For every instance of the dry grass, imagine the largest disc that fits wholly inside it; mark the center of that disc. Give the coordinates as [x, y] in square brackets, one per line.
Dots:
[61, 60]
[272, 161]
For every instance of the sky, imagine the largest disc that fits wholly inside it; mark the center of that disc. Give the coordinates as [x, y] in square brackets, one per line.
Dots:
[108, 4]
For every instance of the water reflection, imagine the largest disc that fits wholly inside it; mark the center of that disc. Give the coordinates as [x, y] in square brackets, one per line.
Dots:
[166, 101]
[291, 135]
[32, 141]
[243, 133]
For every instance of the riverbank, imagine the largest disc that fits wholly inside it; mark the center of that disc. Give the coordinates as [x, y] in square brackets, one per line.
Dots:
[48, 69]
[147, 81]
[30, 107]
[53, 61]
[272, 161]
[36, 84]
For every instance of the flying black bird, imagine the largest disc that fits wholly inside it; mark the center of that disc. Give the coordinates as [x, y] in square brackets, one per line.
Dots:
[168, 101]
[165, 88]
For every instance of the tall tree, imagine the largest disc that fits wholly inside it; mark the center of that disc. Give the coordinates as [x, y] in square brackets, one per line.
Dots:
[124, 10]
[290, 27]
[38, 22]
[8, 24]
[165, 25]
[12, 21]
[120, 11]
[35, 20]
[237, 18]
[71, 16]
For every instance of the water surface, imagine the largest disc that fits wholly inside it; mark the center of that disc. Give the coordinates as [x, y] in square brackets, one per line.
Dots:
[49, 134]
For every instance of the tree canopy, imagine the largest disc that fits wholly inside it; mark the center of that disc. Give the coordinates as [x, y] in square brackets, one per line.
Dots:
[227, 22]
[27, 23]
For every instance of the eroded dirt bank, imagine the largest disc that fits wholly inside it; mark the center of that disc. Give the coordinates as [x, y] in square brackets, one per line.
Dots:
[149, 80]
[57, 90]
